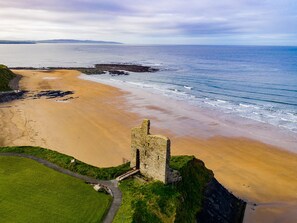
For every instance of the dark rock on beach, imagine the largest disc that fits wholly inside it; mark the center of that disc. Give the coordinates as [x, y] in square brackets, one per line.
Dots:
[112, 69]
[118, 72]
[53, 94]
[11, 95]
[125, 67]
[49, 94]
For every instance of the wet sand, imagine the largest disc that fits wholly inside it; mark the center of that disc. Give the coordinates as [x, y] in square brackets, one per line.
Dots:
[95, 127]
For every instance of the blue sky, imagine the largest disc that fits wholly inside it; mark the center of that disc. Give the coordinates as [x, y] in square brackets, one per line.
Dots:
[247, 22]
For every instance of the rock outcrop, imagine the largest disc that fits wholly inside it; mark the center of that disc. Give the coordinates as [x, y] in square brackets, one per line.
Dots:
[220, 206]
[112, 69]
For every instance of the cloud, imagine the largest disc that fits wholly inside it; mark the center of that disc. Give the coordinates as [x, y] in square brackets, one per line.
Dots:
[154, 21]
[66, 5]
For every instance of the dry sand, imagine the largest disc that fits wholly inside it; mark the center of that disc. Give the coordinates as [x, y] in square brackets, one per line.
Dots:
[95, 127]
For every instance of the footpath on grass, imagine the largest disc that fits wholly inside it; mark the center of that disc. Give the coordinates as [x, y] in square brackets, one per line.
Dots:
[111, 184]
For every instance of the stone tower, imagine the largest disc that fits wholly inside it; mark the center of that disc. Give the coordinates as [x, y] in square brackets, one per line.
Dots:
[151, 154]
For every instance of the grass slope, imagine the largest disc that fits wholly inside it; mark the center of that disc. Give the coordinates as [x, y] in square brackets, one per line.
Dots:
[156, 202]
[65, 162]
[5, 76]
[143, 201]
[31, 192]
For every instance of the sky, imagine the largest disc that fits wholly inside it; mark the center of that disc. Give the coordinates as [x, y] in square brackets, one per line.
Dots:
[224, 22]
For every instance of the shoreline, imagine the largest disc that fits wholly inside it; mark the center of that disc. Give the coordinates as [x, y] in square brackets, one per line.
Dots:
[95, 128]
[184, 119]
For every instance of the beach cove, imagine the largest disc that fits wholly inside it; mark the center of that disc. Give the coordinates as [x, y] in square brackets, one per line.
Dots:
[94, 126]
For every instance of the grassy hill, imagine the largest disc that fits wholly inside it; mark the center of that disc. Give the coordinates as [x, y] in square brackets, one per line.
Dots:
[31, 192]
[5, 76]
[156, 202]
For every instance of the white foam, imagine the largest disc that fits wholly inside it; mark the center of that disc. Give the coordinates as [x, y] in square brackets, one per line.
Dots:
[260, 113]
[188, 87]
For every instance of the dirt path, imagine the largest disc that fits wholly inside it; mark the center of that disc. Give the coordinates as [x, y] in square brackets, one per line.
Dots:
[111, 184]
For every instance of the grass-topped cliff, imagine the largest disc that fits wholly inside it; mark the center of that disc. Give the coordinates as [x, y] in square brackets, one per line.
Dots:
[64, 161]
[142, 201]
[156, 202]
[197, 198]
[6, 76]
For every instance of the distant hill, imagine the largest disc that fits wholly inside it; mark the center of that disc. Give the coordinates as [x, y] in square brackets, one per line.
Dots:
[58, 41]
[16, 42]
[76, 41]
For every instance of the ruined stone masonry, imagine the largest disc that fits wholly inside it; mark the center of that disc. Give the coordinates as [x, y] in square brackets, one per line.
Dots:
[151, 154]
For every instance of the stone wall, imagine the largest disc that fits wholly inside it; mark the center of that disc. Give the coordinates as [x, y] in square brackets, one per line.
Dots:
[151, 153]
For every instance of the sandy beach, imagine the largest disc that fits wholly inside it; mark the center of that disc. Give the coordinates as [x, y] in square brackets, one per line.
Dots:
[95, 126]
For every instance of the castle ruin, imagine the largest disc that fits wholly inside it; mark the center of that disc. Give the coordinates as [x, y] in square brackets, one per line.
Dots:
[151, 154]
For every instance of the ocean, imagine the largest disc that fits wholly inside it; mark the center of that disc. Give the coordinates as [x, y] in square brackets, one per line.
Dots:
[252, 82]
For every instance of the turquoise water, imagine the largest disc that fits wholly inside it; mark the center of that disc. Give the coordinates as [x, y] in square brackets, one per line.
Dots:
[258, 83]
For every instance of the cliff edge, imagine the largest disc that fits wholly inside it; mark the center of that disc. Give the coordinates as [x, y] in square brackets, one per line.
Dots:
[220, 206]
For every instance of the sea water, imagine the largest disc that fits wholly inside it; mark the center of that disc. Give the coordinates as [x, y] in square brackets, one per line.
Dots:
[253, 82]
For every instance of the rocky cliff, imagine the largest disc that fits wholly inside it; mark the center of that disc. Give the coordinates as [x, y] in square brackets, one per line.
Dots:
[220, 206]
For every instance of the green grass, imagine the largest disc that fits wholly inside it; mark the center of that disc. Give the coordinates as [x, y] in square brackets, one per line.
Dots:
[5, 76]
[65, 162]
[31, 192]
[147, 202]
[156, 202]
[179, 162]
